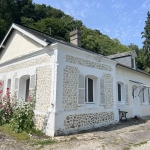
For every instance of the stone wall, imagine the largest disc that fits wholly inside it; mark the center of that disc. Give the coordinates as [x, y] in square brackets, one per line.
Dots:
[43, 89]
[87, 63]
[70, 79]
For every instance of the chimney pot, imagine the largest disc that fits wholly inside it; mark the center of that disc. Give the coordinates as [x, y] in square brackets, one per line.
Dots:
[75, 37]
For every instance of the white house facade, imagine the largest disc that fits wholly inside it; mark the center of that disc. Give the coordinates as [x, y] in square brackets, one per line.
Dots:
[75, 89]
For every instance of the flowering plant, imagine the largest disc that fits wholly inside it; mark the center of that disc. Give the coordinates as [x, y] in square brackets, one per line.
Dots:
[6, 109]
[22, 117]
[19, 114]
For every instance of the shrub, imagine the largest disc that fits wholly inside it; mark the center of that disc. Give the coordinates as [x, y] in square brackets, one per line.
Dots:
[6, 108]
[22, 117]
[18, 114]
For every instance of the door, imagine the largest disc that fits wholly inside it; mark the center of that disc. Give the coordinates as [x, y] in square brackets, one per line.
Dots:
[136, 101]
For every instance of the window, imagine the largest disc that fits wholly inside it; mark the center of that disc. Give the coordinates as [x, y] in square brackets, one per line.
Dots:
[9, 84]
[119, 92]
[133, 90]
[89, 84]
[27, 88]
[24, 83]
[143, 95]
[132, 63]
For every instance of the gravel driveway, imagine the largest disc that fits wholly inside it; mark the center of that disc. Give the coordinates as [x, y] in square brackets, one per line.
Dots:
[131, 135]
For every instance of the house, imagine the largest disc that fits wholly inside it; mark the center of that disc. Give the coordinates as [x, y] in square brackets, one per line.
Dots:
[75, 89]
[133, 86]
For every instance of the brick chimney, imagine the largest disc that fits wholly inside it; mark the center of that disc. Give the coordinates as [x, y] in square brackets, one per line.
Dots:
[75, 37]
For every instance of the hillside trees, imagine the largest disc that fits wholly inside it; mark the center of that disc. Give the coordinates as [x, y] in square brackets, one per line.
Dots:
[42, 17]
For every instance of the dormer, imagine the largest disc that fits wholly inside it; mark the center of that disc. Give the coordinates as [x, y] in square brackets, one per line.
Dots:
[127, 58]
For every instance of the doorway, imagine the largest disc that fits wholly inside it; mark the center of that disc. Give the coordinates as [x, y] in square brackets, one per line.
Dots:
[136, 103]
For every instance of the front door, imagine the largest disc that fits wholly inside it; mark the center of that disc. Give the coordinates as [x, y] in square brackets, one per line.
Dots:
[136, 102]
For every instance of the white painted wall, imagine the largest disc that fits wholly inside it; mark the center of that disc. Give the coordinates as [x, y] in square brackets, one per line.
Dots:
[87, 108]
[135, 107]
[18, 45]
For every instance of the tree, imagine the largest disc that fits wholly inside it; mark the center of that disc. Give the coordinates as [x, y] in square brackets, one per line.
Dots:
[146, 43]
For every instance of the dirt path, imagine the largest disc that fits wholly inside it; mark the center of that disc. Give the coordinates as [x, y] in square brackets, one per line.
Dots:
[131, 135]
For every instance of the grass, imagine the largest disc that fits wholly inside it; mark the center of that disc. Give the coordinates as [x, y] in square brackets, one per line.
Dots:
[43, 143]
[103, 146]
[41, 138]
[141, 143]
[17, 136]
[73, 138]
[132, 130]
[126, 148]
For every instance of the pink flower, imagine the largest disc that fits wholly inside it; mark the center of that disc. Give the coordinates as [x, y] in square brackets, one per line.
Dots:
[1, 91]
[1, 83]
[29, 98]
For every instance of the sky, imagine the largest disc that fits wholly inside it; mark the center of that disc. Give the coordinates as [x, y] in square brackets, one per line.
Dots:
[121, 19]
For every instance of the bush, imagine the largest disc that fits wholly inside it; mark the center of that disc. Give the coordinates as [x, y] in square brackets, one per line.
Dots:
[18, 114]
[22, 117]
[6, 108]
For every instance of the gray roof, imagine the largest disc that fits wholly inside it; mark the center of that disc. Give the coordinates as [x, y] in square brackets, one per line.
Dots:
[49, 39]
[129, 53]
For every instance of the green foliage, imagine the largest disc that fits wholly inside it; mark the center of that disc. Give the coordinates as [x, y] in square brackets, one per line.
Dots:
[42, 17]
[22, 118]
[146, 44]
[17, 136]
[6, 108]
[18, 114]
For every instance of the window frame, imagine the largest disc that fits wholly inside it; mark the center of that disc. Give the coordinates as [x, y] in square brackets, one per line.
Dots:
[123, 92]
[144, 93]
[87, 90]
[120, 92]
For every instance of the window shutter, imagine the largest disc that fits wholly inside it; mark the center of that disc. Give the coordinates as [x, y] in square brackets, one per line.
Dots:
[149, 98]
[32, 84]
[141, 95]
[148, 91]
[16, 88]
[81, 89]
[1, 88]
[102, 92]
[127, 98]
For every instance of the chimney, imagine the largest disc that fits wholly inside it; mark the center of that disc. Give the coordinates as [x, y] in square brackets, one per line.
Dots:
[75, 37]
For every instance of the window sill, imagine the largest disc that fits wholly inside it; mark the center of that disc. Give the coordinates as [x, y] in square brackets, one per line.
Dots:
[121, 103]
[88, 105]
[144, 104]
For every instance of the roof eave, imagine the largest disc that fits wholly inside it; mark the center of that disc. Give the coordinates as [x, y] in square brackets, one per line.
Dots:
[13, 26]
[133, 69]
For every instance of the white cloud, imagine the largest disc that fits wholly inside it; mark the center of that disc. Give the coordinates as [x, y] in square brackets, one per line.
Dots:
[118, 6]
[146, 4]
[107, 30]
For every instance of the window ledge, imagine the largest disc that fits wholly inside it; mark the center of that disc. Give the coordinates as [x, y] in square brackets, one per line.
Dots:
[121, 103]
[145, 104]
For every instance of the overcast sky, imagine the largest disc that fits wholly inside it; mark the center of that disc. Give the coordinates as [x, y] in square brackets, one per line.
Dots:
[121, 19]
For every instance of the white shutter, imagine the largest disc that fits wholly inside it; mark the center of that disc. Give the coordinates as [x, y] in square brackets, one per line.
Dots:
[81, 89]
[148, 93]
[32, 87]
[16, 91]
[141, 95]
[102, 92]
[149, 98]
[127, 98]
[1, 88]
